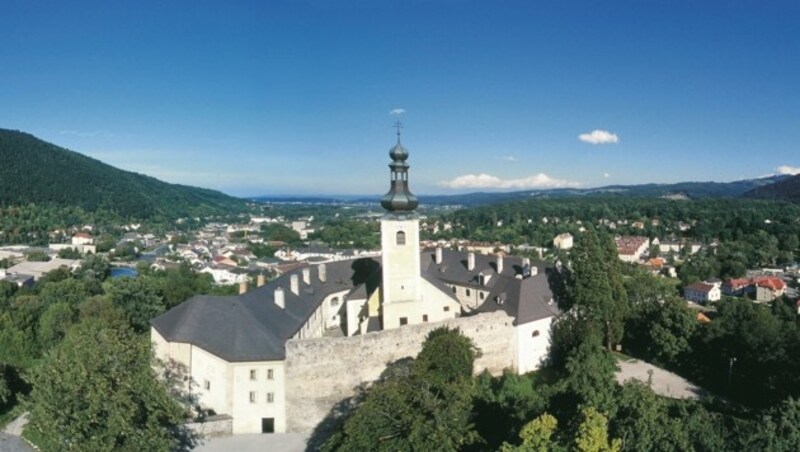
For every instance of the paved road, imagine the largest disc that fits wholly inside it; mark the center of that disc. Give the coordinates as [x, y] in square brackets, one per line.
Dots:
[9, 436]
[12, 443]
[275, 442]
[664, 382]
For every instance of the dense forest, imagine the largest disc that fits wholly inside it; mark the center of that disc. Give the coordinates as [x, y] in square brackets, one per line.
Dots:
[75, 353]
[35, 172]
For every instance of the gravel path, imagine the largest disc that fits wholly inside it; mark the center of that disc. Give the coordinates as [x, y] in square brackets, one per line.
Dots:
[10, 440]
[273, 442]
[664, 382]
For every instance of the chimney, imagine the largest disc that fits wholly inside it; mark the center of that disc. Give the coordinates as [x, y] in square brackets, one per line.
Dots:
[323, 272]
[279, 300]
[438, 254]
[294, 284]
[261, 280]
[242, 287]
[307, 275]
[499, 264]
[471, 261]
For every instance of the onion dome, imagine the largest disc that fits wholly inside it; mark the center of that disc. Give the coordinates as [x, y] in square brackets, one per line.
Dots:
[399, 198]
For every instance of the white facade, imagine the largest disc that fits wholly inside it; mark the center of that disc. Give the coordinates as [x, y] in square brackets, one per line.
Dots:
[401, 266]
[563, 241]
[702, 292]
[250, 392]
[532, 341]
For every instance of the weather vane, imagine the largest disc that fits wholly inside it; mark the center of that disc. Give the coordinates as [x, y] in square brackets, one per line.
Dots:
[398, 125]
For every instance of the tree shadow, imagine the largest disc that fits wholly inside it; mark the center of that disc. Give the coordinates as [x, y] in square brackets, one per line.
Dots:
[338, 414]
[180, 387]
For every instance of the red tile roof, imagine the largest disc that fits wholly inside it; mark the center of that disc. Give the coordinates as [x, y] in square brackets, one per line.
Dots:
[770, 282]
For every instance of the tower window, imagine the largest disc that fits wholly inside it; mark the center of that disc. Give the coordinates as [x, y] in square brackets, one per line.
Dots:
[469, 292]
[401, 238]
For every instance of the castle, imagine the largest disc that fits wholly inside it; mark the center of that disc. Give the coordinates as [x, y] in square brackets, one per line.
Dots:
[280, 357]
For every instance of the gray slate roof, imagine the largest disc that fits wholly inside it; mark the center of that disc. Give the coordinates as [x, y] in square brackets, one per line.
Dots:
[526, 299]
[251, 327]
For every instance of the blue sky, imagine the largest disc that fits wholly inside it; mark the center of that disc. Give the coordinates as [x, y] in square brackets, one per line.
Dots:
[273, 97]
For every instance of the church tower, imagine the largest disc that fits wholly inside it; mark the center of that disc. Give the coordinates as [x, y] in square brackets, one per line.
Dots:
[400, 245]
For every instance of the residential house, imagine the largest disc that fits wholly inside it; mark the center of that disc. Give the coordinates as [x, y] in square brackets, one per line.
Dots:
[563, 241]
[702, 292]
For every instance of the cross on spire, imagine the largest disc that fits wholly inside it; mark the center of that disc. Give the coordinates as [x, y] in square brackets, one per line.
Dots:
[398, 125]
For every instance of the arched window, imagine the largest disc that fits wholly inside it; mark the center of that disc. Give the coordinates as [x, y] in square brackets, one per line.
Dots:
[481, 295]
[335, 301]
[401, 238]
[535, 333]
[454, 289]
[469, 292]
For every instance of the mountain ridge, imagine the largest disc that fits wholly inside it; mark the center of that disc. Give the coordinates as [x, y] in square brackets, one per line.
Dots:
[687, 190]
[787, 189]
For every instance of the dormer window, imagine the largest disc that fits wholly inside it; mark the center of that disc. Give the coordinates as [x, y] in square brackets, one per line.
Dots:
[401, 238]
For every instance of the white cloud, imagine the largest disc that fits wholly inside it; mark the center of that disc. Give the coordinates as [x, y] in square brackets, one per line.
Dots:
[606, 175]
[77, 133]
[397, 111]
[786, 169]
[539, 180]
[599, 137]
[510, 158]
[87, 134]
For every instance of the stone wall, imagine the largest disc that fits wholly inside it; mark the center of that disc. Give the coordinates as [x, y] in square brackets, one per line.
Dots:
[322, 373]
[213, 426]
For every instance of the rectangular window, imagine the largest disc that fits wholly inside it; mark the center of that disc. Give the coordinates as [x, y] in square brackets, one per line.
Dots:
[207, 385]
[447, 309]
[403, 321]
[252, 374]
[252, 397]
[425, 317]
[270, 397]
[270, 376]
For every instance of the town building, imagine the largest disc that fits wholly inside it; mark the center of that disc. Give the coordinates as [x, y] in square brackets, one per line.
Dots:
[279, 357]
[631, 248]
[563, 241]
[702, 292]
[768, 288]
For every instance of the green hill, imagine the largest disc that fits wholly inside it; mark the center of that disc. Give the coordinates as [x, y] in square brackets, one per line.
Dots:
[37, 172]
[787, 189]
